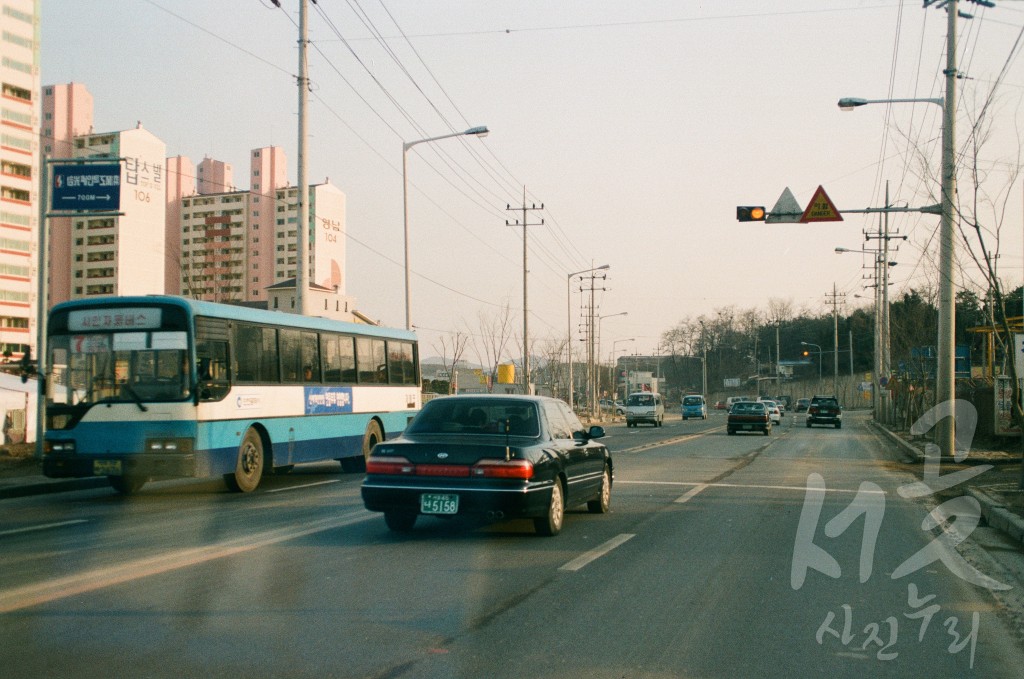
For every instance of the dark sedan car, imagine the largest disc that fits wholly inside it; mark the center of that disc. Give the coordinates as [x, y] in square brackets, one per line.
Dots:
[491, 456]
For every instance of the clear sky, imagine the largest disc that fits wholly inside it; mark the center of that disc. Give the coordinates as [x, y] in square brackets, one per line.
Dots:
[639, 125]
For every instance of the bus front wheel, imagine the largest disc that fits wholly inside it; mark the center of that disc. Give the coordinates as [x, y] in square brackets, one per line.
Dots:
[249, 465]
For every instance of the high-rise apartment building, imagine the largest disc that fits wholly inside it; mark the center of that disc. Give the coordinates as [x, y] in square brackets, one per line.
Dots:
[236, 245]
[19, 174]
[214, 176]
[181, 181]
[123, 255]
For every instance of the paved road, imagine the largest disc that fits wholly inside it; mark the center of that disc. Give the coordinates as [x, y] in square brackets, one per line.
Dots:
[716, 561]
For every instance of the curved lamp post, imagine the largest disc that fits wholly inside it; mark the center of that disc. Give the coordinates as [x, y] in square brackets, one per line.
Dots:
[818, 347]
[945, 380]
[480, 131]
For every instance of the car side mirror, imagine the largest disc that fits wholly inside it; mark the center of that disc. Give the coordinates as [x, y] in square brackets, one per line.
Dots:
[595, 432]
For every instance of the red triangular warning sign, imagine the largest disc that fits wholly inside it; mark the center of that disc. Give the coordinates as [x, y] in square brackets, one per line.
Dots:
[821, 209]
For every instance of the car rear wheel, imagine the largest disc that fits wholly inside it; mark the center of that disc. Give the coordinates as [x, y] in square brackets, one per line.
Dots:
[839, 425]
[603, 501]
[400, 521]
[551, 524]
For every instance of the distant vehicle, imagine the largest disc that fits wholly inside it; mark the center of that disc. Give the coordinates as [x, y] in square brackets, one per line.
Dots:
[735, 399]
[610, 405]
[774, 412]
[720, 405]
[748, 416]
[644, 406]
[825, 410]
[801, 405]
[160, 387]
[694, 405]
[491, 456]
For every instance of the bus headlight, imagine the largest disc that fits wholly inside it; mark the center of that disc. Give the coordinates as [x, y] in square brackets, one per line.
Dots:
[60, 447]
[169, 445]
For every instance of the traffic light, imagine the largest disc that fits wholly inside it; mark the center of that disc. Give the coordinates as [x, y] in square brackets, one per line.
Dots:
[750, 213]
[806, 353]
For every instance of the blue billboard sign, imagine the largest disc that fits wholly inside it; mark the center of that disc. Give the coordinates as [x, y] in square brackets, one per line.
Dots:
[92, 186]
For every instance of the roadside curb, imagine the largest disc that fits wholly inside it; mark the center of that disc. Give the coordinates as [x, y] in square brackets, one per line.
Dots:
[35, 485]
[998, 516]
[992, 509]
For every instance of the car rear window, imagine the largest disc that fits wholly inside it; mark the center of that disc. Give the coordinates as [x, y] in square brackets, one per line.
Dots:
[477, 416]
[692, 401]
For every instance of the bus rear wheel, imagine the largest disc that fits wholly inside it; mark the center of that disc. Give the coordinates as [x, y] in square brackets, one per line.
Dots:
[371, 437]
[249, 465]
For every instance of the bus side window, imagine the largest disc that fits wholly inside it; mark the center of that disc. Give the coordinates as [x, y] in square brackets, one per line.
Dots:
[212, 370]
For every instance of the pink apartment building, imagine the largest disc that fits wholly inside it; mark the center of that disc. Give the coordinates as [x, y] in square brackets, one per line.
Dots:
[19, 176]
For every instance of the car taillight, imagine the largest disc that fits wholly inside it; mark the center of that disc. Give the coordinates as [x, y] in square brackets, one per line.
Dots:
[503, 469]
[389, 465]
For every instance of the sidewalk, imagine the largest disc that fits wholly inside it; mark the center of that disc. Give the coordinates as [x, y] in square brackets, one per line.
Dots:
[997, 490]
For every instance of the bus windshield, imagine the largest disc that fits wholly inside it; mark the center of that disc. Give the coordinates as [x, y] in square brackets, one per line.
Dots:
[130, 367]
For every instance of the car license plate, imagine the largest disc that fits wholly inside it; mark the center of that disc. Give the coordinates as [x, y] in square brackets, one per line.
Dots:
[431, 503]
[106, 467]
[748, 426]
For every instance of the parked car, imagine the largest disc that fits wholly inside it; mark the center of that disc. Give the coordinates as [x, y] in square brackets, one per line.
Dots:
[825, 410]
[645, 406]
[801, 405]
[748, 416]
[694, 405]
[774, 412]
[492, 456]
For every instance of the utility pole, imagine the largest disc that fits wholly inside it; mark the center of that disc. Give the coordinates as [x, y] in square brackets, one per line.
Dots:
[835, 337]
[302, 227]
[591, 331]
[527, 385]
[884, 365]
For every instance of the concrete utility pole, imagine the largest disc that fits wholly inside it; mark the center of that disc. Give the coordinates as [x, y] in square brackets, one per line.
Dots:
[835, 338]
[302, 227]
[945, 381]
[527, 385]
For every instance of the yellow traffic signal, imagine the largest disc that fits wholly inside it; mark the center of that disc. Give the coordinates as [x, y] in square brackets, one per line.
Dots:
[750, 213]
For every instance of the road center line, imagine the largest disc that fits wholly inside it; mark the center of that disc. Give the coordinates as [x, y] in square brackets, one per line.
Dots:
[60, 588]
[802, 489]
[690, 493]
[44, 526]
[596, 553]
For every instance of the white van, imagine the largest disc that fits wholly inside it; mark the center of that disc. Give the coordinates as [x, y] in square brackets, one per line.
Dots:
[736, 399]
[644, 406]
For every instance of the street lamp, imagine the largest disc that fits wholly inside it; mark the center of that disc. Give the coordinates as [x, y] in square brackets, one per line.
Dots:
[809, 344]
[568, 316]
[480, 131]
[597, 364]
[945, 381]
[631, 339]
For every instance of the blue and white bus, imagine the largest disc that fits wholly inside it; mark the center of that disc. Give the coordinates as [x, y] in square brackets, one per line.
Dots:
[156, 387]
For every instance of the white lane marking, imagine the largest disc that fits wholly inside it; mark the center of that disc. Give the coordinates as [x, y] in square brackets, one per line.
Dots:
[744, 485]
[690, 493]
[43, 526]
[596, 553]
[305, 485]
[60, 588]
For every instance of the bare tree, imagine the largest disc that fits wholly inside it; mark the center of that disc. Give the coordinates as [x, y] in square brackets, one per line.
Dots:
[451, 350]
[495, 332]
